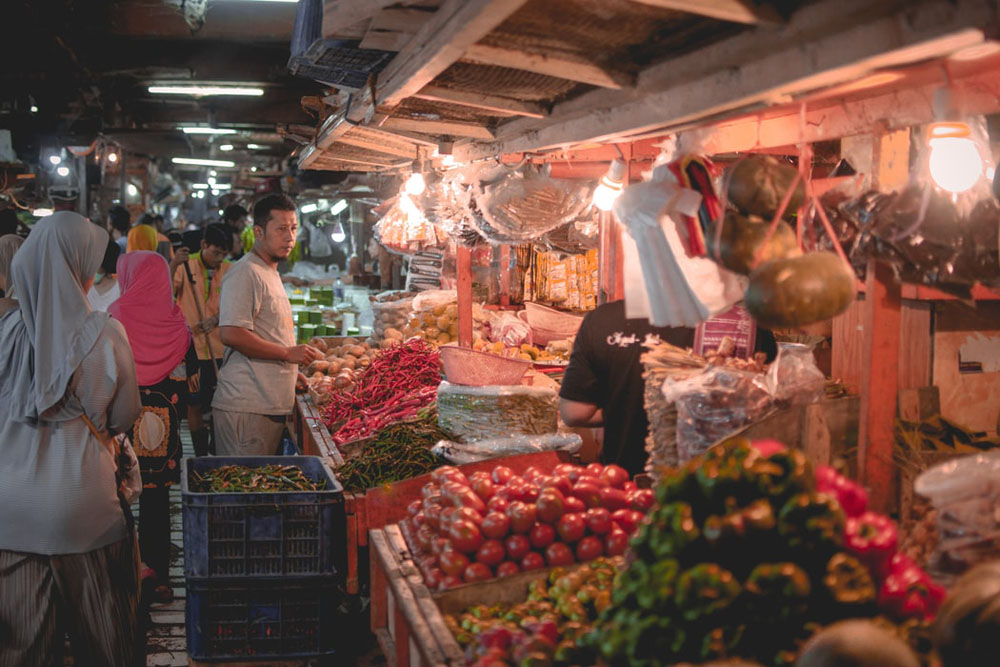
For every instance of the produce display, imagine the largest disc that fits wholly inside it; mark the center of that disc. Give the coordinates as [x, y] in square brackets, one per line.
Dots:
[465, 530]
[552, 354]
[485, 413]
[257, 479]
[396, 385]
[337, 369]
[391, 311]
[543, 629]
[747, 554]
[397, 452]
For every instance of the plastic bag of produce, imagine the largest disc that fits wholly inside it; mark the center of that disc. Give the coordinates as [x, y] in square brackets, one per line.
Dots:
[482, 413]
[391, 316]
[794, 376]
[509, 329]
[713, 405]
[459, 453]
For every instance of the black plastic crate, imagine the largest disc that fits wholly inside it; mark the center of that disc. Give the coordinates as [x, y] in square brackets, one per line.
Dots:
[262, 534]
[261, 618]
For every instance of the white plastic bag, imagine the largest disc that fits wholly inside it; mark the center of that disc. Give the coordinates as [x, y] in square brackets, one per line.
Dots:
[509, 329]
[459, 453]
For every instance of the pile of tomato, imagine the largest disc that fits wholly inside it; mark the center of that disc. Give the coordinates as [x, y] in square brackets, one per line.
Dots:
[468, 529]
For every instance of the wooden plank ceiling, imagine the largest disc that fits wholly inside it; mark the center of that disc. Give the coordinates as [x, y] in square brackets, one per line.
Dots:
[486, 77]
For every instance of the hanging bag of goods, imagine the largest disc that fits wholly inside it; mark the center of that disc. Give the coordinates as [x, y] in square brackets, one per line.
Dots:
[472, 414]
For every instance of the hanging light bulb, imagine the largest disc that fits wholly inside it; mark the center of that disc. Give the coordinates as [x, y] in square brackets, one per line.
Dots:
[63, 171]
[610, 186]
[415, 184]
[112, 157]
[955, 163]
[338, 234]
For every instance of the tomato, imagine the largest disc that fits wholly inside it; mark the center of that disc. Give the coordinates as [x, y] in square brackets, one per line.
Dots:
[574, 473]
[627, 519]
[517, 489]
[530, 493]
[559, 482]
[439, 545]
[589, 548]
[564, 469]
[477, 572]
[413, 508]
[517, 546]
[522, 516]
[532, 561]
[629, 486]
[419, 519]
[430, 490]
[501, 474]
[446, 518]
[468, 514]
[598, 520]
[424, 537]
[484, 488]
[463, 496]
[571, 527]
[615, 543]
[588, 492]
[531, 473]
[497, 504]
[507, 568]
[574, 504]
[542, 535]
[642, 500]
[613, 499]
[478, 475]
[449, 473]
[503, 493]
[433, 578]
[615, 475]
[550, 506]
[465, 536]
[495, 525]
[450, 581]
[595, 469]
[558, 553]
[491, 552]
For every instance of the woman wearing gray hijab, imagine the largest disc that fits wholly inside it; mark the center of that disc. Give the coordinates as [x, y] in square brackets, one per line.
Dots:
[9, 243]
[68, 557]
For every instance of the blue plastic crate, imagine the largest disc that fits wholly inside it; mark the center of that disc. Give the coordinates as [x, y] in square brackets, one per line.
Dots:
[253, 618]
[262, 534]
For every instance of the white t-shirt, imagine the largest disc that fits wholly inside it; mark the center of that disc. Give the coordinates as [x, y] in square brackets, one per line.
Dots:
[253, 298]
[99, 301]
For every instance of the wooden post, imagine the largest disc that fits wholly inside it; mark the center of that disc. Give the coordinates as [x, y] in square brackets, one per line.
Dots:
[505, 275]
[882, 317]
[464, 270]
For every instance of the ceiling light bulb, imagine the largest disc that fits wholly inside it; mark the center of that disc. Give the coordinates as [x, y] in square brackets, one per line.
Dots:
[63, 171]
[415, 185]
[256, 147]
[202, 91]
[338, 207]
[309, 208]
[207, 130]
[213, 172]
[954, 161]
[112, 157]
[215, 193]
[226, 147]
[55, 159]
[253, 168]
[34, 109]
[132, 190]
[200, 162]
[610, 186]
[338, 234]
[41, 212]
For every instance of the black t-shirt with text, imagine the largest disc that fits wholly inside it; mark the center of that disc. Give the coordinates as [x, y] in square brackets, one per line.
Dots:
[605, 371]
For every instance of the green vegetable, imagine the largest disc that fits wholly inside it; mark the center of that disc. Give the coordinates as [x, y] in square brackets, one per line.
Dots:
[777, 590]
[705, 590]
[848, 581]
[811, 522]
[260, 479]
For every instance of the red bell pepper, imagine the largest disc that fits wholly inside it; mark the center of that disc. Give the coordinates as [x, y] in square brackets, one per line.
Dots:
[872, 538]
[852, 496]
[908, 591]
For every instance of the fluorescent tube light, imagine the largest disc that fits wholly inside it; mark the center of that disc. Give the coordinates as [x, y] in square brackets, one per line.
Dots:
[208, 130]
[199, 162]
[338, 207]
[202, 91]
[41, 212]
[309, 208]
[200, 186]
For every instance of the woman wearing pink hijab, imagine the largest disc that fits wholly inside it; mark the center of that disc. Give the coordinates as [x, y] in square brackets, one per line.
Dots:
[164, 352]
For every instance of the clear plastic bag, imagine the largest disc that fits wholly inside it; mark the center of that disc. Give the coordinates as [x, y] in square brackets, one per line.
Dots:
[390, 318]
[459, 453]
[509, 329]
[966, 493]
[483, 413]
[713, 405]
[526, 204]
[794, 376]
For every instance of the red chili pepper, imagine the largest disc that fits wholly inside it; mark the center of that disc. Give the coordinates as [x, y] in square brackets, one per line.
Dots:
[909, 592]
[872, 538]
[852, 496]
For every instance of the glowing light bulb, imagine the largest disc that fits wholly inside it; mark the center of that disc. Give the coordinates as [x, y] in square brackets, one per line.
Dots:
[55, 159]
[610, 187]
[132, 190]
[415, 185]
[338, 234]
[112, 157]
[955, 163]
[63, 171]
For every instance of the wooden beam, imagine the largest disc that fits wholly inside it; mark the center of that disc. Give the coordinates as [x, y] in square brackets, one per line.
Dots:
[438, 127]
[824, 44]
[549, 65]
[438, 44]
[378, 40]
[352, 155]
[493, 103]
[378, 140]
[737, 11]
[349, 18]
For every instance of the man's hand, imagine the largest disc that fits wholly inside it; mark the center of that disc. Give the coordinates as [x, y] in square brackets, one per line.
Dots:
[302, 354]
[207, 325]
[302, 383]
[180, 256]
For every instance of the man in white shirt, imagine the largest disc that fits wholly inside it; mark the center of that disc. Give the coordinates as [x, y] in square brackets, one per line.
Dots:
[256, 389]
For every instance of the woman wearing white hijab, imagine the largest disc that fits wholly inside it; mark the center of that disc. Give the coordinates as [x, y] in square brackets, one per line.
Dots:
[68, 557]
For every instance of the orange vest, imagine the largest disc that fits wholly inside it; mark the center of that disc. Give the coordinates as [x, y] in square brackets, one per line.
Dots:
[207, 297]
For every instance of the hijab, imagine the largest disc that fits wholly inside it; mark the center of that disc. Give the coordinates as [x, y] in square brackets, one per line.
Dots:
[44, 339]
[9, 243]
[156, 328]
[142, 237]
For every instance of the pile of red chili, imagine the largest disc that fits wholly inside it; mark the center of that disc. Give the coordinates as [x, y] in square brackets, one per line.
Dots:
[399, 382]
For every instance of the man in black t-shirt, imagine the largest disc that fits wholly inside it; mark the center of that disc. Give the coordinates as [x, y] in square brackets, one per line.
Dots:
[603, 385]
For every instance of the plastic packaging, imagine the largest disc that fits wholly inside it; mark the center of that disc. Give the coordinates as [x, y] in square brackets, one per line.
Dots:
[966, 493]
[391, 317]
[713, 405]
[794, 376]
[509, 329]
[483, 413]
[526, 204]
[459, 453]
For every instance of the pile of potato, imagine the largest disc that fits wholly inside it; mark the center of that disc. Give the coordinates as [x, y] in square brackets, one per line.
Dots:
[435, 325]
[336, 371]
[550, 355]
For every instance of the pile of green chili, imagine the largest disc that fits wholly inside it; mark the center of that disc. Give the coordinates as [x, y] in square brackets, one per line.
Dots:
[257, 479]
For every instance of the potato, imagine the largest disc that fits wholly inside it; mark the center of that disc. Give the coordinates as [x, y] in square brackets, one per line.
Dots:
[443, 339]
[321, 366]
[316, 376]
[342, 381]
[453, 330]
[367, 345]
[334, 367]
[443, 322]
[349, 363]
[318, 343]
[389, 342]
[440, 310]
[357, 351]
[431, 333]
[364, 362]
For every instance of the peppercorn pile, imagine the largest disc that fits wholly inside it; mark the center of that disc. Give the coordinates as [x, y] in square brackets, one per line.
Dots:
[746, 555]
[244, 479]
[400, 381]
